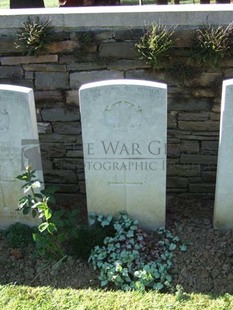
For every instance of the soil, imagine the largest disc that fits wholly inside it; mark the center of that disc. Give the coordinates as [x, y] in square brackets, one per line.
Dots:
[206, 267]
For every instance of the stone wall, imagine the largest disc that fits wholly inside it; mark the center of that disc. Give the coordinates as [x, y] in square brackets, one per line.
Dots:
[97, 45]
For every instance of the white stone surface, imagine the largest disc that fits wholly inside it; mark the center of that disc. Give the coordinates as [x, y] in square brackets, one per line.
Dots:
[223, 208]
[18, 148]
[124, 130]
[121, 16]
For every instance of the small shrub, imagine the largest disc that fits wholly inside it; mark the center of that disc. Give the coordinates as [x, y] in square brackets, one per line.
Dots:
[34, 36]
[19, 235]
[156, 44]
[131, 259]
[211, 44]
[56, 227]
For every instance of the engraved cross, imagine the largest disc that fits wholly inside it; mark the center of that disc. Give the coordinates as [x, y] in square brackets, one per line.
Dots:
[124, 184]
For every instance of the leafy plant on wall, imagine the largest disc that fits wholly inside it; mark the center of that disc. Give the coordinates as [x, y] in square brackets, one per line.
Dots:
[156, 44]
[34, 36]
[212, 44]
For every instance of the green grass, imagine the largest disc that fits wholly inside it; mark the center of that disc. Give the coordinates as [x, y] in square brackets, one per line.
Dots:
[47, 298]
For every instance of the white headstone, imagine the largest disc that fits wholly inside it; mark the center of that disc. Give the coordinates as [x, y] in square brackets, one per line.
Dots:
[223, 209]
[124, 130]
[19, 147]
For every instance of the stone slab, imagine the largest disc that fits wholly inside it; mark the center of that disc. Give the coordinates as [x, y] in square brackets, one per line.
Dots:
[198, 159]
[63, 115]
[79, 78]
[68, 128]
[18, 60]
[11, 71]
[202, 188]
[124, 125]
[223, 208]
[19, 147]
[125, 50]
[51, 80]
[45, 67]
[199, 126]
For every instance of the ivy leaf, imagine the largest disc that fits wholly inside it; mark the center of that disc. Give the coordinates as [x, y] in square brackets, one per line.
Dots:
[158, 286]
[104, 282]
[172, 247]
[183, 248]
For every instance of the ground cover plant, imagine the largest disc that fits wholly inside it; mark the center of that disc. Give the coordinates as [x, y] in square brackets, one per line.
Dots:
[125, 256]
[132, 259]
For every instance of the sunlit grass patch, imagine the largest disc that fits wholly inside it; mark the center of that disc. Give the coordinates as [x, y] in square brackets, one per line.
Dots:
[43, 298]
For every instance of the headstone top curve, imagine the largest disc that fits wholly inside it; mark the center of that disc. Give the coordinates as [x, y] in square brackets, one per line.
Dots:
[15, 88]
[124, 82]
[228, 82]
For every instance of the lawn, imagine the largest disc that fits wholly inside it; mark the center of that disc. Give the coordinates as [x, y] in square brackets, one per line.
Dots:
[14, 297]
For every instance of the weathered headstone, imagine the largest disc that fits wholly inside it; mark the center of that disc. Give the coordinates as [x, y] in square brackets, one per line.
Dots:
[223, 209]
[124, 130]
[19, 147]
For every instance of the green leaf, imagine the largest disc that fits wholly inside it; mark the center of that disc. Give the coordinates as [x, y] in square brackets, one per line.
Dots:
[168, 278]
[21, 177]
[172, 247]
[41, 206]
[43, 226]
[105, 223]
[38, 196]
[158, 286]
[104, 283]
[26, 210]
[35, 237]
[51, 228]
[47, 213]
[34, 213]
[183, 248]
[22, 203]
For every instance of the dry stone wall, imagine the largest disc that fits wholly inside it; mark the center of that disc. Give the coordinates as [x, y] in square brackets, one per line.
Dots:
[109, 53]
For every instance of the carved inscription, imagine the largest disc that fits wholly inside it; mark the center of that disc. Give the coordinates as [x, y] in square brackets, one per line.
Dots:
[4, 120]
[9, 158]
[123, 114]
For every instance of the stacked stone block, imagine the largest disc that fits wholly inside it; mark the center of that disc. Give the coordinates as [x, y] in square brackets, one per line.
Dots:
[193, 105]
